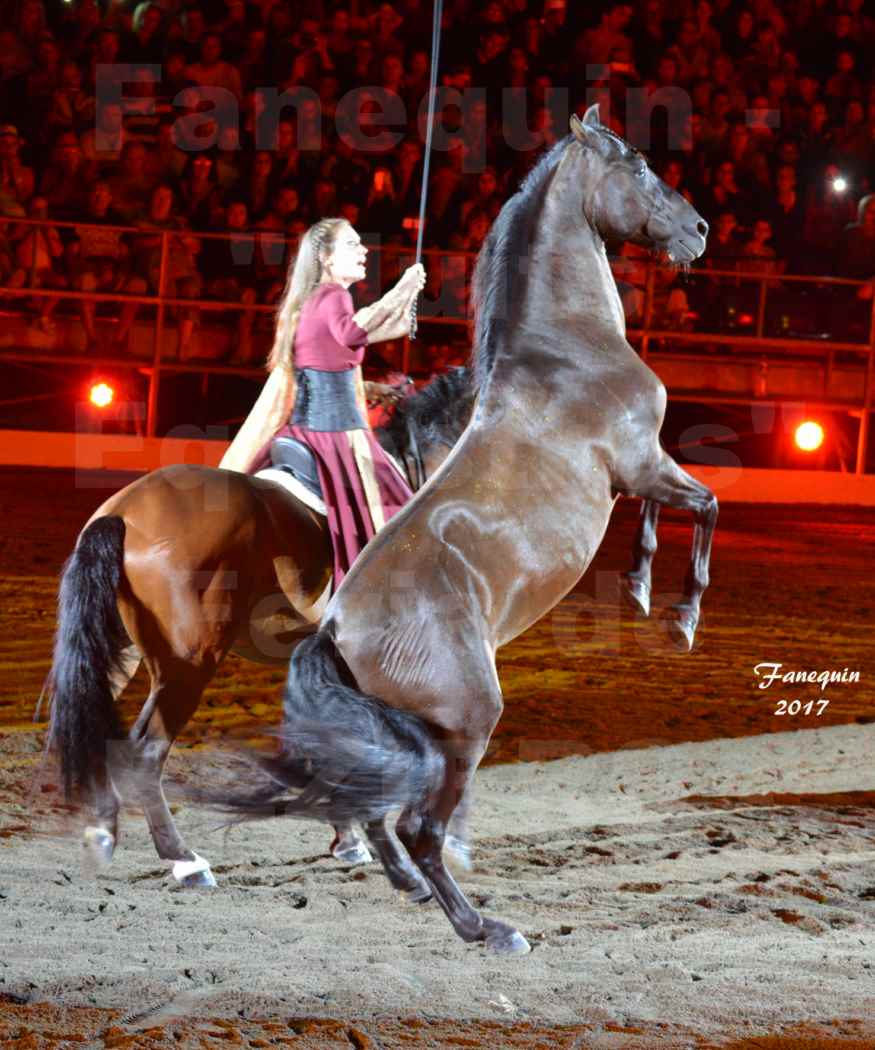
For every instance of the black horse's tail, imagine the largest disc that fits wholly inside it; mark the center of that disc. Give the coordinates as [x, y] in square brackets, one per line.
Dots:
[89, 639]
[349, 756]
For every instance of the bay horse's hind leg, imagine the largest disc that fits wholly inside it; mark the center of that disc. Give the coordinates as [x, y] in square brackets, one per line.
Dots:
[637, 582]
[670, 485]
[100, 838]
[348, 846]
[176, 692]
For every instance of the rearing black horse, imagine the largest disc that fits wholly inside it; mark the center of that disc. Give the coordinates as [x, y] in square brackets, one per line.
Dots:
[392, 702]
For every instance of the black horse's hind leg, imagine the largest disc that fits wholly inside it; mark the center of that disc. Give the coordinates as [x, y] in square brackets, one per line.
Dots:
[403, 875]
[638, 580]
[100, 838]
[672, 486]
[456, 843]
[400, 871]
[423, 834]
[422, 830]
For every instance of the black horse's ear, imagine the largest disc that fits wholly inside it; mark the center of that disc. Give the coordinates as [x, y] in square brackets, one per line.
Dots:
[588, 131]
[577, 129]
[591, 116]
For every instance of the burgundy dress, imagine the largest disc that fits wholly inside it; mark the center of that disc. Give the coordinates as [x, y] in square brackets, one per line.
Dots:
[327, 340]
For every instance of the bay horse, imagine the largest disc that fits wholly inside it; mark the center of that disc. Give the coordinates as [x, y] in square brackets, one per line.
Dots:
[176, 570]
[391, 704]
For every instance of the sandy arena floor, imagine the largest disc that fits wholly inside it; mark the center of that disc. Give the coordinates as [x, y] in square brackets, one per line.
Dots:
[694, 870]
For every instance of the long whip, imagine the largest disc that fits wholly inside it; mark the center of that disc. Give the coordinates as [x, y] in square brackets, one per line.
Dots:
[437, 15]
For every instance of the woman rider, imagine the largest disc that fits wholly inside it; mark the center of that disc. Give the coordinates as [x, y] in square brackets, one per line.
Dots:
[321, 340]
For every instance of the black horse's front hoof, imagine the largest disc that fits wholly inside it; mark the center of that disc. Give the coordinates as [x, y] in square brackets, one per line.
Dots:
[682, 629]
[636, 593]
[458, 852]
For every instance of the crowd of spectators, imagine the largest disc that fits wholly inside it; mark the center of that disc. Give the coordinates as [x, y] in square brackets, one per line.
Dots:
[762, 113]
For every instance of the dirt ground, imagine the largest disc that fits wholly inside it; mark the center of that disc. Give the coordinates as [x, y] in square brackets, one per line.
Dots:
[692, 868]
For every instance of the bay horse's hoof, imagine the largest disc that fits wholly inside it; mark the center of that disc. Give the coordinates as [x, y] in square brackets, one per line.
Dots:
[357, 853]
[458, 851]
[98, 845]
[194, 874]
[636, 593]
[504, 940]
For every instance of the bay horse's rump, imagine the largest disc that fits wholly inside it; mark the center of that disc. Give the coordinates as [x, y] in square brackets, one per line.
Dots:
[235, 515]
[202, 562]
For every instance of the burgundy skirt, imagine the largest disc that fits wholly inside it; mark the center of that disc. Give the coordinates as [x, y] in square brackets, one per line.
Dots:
[349, 518]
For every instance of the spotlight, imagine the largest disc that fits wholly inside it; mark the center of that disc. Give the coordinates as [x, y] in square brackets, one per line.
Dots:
[101, 394]
[839, 184]
[809, 436]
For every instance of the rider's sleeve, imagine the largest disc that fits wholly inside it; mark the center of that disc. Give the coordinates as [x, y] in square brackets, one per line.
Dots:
[338, 313]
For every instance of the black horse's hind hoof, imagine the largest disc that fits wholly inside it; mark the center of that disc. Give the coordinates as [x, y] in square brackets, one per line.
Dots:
[458, 852]
[503, 939]
[636, 593]
[419, 894]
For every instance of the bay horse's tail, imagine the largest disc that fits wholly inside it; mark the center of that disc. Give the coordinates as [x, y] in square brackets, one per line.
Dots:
[352, 757]
[89, 639]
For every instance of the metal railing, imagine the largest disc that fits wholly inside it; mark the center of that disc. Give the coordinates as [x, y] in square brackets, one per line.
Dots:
[763, 343]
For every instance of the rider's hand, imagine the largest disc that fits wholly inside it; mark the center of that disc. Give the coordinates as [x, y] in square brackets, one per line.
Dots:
[383, 394]
[413, 278]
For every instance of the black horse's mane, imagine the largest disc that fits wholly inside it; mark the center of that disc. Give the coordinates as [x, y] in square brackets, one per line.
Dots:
[499, 274]
[439, 407]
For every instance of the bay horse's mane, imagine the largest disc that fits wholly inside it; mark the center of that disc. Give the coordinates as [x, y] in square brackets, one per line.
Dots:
[499, 277]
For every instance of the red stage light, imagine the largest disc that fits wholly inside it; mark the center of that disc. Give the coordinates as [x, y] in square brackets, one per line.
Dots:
[809, 436]
[101, 395]
[745, 318]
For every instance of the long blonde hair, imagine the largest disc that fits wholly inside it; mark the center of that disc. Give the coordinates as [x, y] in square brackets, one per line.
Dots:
[304, 275]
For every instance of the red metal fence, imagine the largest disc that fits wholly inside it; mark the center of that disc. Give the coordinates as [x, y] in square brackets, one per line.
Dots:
[734, 346]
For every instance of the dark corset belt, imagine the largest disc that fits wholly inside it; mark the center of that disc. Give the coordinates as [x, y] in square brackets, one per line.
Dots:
[326, 400]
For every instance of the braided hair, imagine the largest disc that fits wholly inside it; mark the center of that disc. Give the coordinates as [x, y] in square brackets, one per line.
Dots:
[305, 273]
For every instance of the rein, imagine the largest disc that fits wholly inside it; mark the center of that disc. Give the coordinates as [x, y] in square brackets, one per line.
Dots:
[411, 456]
[429, 133]
[418, 480]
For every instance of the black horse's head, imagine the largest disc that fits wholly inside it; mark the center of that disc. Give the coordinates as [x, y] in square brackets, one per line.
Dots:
[427, 424]
[626, 201]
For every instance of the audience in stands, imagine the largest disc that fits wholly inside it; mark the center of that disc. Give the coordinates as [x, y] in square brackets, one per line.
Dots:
[762, 115]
